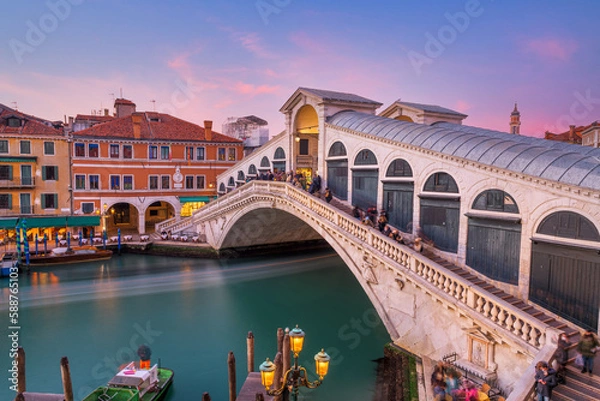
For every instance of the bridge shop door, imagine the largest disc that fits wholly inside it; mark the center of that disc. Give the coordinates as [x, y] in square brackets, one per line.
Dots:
[494, 248]
[364, 188]
[440, 222]
[398, 202]
[337, 178]
[565, 280]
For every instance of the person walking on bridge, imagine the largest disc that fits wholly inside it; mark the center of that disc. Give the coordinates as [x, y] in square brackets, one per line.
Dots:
[587, 347]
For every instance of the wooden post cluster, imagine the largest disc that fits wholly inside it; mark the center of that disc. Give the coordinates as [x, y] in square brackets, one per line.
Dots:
[21, 370]
[206, 397]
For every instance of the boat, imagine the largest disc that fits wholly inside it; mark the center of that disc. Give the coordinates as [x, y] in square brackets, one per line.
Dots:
[74, 254]
[135, 383]
[9, 263]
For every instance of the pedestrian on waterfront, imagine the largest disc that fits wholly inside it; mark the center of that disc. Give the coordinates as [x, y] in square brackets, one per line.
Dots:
[328, 195]
[452, 383]
[562, 357]
[468, 391]
[368, 222]
[587, 347]
[381, 222]
[356, 212]
[545, 378]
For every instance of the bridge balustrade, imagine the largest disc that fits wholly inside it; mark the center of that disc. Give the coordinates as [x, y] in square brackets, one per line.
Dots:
[481, 305]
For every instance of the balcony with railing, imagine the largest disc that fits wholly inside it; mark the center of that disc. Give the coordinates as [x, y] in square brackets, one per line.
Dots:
[17, 182]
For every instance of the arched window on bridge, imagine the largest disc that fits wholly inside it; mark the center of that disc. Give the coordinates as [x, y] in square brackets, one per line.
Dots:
[565, 267]
[222, 189]
[365, 180]
[252, 170]
[440, 207]
[241, 177]
[398, 194]
[231, 182]
[337, 170]
[279, 161]
[265, 163]
[494, 237]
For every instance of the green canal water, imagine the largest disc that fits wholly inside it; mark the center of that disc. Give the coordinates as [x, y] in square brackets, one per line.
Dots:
[192, 312]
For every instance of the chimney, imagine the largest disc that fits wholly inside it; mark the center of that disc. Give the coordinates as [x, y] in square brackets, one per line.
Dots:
[136, 119]
[208, 130]
[124, 107]
[105, 112]
[571, 133]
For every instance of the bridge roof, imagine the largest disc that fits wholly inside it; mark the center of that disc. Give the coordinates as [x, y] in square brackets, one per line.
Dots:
[556, 161]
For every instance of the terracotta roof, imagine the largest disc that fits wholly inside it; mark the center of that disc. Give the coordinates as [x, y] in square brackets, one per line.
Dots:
[32, 125]
[566, 136]
[155, 126]
[91, 117]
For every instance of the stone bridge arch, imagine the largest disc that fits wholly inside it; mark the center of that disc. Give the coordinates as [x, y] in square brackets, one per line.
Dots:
[254, 225]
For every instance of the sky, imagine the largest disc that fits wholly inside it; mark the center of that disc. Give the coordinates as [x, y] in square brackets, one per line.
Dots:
[209, 60]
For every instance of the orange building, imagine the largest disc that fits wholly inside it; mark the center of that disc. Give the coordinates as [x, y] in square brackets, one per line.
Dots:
[141, 168]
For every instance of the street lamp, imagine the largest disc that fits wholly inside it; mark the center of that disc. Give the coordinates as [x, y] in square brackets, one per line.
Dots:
[104, 208]
[296, 376]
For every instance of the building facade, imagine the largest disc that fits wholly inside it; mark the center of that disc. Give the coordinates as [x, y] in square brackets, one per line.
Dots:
[142, 168]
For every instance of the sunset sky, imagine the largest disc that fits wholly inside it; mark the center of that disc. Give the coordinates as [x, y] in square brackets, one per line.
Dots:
[202, 60]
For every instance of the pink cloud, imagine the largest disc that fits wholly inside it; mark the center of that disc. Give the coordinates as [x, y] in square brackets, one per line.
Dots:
[252, 90]
[252, 42]
[557, 49]
[305, 42]
[462, 106]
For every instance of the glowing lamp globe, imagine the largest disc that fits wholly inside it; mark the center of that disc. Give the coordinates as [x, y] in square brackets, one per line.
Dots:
[322, 364]
[296, 340]
[267, 373]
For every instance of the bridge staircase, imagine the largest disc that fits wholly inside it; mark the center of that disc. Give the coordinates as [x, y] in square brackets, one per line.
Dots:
[579, 386]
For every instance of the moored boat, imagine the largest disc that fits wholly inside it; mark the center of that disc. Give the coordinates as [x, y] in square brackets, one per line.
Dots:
[9, 263]
[135, 384]
[75, 254]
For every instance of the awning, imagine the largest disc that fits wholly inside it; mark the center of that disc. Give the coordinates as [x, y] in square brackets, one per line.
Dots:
[43, 222]
[17, 159]
[83, 221]
[8, 223]
[186, 199]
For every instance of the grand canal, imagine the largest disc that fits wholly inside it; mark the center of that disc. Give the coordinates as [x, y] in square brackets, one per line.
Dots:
[192, 312]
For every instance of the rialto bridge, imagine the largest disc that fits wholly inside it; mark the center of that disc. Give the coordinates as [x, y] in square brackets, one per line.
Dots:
[521, 215]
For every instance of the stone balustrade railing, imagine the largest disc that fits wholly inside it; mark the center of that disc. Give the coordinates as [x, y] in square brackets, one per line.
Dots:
[484, 306]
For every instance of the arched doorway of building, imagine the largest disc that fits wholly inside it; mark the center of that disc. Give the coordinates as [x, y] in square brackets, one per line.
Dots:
[565, 268]
[494, 237]
[440, 209]
[157, 212]
[123, 216]
[306, 142]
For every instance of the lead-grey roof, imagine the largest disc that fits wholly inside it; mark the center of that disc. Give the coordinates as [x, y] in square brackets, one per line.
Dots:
[431, 108]
[550, 160]
[339, 96]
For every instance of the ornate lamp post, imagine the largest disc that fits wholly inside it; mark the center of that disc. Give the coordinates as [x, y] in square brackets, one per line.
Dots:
[296, 376]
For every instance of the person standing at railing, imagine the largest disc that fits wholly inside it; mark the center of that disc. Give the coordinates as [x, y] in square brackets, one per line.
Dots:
[587, 347]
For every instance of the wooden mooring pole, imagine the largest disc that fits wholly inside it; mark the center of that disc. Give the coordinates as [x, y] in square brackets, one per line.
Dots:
[206, 397]
[20, 370]
[287, 363]
[280, 340]
[278, 373]
[65, 373]
[260, 397]
[250, 347]
[232, 384]
[20, 397]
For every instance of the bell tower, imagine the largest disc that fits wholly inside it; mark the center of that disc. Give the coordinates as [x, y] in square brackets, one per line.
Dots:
[515, 121]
